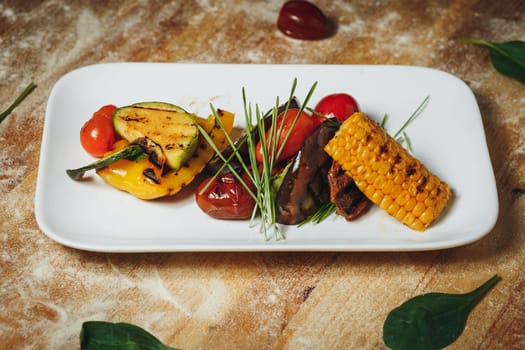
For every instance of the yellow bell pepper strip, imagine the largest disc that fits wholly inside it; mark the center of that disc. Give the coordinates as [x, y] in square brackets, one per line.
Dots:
[144, 180]
[134, 151]
[125, 151]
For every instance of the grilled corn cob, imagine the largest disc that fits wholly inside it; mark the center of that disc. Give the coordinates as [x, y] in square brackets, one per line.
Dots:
[387, 174]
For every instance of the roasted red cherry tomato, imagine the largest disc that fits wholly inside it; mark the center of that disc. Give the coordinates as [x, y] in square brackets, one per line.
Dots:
[304, 127]
[339, 105]
[106, 111]
[97, 136]
[301, 19]
[225, 198]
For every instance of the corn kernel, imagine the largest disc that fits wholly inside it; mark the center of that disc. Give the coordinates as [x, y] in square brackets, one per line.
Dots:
[369, 190]
[383, 168]
[387, 187]
[396, 191]
[410, 204]
[385, 202]
[377, 197]
[417, 175]
[392, 208]
[401, 213]
[429, 201]
[409, 219]
[399, 179]
[378, 183]
[427, 216]
[421, 196]
[418, 225]
[430, 184]
[402, 198]
[363, 153]
[359, 134]
[418, 209]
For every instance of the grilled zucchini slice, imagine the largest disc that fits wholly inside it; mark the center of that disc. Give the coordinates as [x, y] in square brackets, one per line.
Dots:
[169, 126]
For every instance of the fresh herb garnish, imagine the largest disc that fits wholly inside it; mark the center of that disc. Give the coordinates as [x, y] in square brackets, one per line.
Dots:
[324, 211]
[433, 320]
[406, 140]
[383, 121]
[508, 58]
[410, 119]
[96, 335]
[260, 175]
[18, 100]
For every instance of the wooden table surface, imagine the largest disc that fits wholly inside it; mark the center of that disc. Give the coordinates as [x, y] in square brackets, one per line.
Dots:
[329, 300]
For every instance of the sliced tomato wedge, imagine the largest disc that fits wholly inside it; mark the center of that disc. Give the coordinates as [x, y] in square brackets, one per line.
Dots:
[304, 127]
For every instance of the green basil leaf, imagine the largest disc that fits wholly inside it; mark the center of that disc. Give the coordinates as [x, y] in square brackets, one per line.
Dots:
[508, 58]
[97, 335]
[433, 320]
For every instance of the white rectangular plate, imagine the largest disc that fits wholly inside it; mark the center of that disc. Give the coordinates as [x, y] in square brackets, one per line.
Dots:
[447, 136]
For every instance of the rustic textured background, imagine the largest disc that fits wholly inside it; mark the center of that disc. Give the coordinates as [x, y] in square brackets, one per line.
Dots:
[256, 300]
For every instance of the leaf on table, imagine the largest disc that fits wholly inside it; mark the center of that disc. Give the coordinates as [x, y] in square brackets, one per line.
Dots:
[97, 335]
[508, 58]
[433, 320]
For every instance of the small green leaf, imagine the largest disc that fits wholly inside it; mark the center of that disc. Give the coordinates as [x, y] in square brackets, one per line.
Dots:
[97, 335]
[433, 320]
[508, 58]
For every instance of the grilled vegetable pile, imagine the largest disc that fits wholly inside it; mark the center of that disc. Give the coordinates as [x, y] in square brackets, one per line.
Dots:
[160, 149]
[293, 165]
[345, 162]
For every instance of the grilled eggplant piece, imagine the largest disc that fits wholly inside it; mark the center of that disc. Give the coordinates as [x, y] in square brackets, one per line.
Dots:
[305, 186]
[349, 201]
[214, 165]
